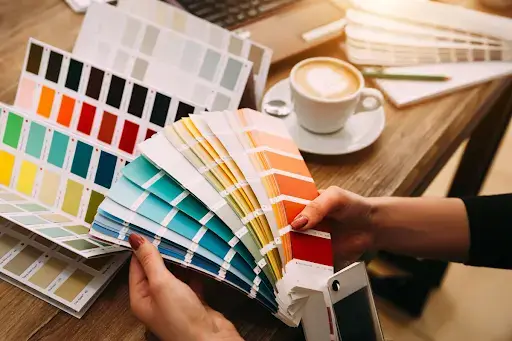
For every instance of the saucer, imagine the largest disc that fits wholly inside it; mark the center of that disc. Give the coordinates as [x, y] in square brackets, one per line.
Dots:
[360, 130]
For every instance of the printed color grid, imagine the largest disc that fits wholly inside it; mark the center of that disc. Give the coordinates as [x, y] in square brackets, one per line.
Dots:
[57, 170]
[180, 21]
[161, 57]
[93, 102]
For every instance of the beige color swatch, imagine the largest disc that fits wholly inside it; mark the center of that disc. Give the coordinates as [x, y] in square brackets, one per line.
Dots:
[48, 272]
[74, 285]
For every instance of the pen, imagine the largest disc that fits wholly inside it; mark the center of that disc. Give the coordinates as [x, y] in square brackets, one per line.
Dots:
[408, 77]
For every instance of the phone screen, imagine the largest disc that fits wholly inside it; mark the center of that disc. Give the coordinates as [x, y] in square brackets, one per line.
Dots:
[354, 316]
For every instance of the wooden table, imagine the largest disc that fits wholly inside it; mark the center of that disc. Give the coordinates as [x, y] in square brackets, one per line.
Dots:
[416, 143]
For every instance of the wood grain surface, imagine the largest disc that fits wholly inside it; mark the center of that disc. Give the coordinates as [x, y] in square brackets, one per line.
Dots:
[415, 142]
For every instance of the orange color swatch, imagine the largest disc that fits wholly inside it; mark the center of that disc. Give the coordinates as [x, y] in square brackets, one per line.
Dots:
[46, 102]
[296, 187]
[67, 105]
[262, 138]
[287, 164]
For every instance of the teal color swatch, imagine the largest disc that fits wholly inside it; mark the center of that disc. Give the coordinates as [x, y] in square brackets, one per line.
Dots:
[35, 140]
[82, 159]
[58, 149]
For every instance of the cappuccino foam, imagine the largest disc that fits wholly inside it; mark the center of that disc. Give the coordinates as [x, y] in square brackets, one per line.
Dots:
[326, 80]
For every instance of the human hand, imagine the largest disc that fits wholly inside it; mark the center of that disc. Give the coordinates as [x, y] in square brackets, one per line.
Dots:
[350, 214]
[166, 305]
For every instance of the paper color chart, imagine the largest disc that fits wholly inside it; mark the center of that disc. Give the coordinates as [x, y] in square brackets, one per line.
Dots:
[180, 21]
[161, 57]
[93, 102]
[66, 177]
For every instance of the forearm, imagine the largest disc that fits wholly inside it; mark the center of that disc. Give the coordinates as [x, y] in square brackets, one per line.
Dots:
[435, 228]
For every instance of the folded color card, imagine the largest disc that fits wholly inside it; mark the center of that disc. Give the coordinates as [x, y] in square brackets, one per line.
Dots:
[52, 273]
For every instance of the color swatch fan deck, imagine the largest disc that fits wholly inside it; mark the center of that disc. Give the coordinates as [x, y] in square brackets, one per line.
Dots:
[216, 192]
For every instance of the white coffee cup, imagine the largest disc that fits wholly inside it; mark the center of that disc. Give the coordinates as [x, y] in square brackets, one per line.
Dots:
[324, 115]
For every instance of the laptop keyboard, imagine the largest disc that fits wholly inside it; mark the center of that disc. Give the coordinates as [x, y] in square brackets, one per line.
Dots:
[231, 13]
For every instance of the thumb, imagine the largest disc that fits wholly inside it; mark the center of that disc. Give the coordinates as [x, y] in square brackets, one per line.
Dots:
[148, 257]
[328, 201]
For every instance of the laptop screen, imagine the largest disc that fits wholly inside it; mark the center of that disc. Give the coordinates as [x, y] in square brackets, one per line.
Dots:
[354, 316]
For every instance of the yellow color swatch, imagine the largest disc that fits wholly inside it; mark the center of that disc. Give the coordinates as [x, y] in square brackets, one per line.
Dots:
[27, 177]
[72, 198]
[7, 165]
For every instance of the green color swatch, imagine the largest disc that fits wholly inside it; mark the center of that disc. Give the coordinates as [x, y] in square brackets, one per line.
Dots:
[13, 130]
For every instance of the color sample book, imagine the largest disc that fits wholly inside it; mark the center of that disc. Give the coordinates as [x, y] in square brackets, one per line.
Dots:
[217, 37]
[159, 56]
[52, 273]
[269, 187]
[54, 180]
[89, 100]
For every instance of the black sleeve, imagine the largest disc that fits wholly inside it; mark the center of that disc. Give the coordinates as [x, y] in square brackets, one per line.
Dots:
[490, 225]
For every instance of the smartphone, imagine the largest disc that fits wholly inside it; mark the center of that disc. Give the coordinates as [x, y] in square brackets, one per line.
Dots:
[353, 307]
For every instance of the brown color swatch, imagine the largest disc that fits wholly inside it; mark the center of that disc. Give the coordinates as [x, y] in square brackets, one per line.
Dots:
[98, 263]
[6, 244]
[107, 127]
[23, 260]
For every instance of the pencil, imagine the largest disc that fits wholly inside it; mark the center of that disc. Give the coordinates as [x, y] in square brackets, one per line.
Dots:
[405, 77]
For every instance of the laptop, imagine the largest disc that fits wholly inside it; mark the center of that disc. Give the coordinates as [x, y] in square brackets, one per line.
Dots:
[278, 24]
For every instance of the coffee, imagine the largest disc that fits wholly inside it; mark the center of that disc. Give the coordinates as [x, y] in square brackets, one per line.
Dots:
[326, 80]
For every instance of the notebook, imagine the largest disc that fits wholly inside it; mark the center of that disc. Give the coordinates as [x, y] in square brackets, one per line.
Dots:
[463, 75]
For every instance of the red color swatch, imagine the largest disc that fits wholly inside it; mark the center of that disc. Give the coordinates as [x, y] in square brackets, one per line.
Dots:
[149, 133]
[311, 248]
[107, 127]
[129, 136]
[86, 118]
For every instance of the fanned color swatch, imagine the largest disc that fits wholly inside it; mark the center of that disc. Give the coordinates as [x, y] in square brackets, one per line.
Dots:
[216, 192]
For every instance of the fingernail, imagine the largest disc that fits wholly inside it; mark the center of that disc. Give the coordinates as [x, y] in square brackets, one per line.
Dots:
[135, 241]
[299, 222]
